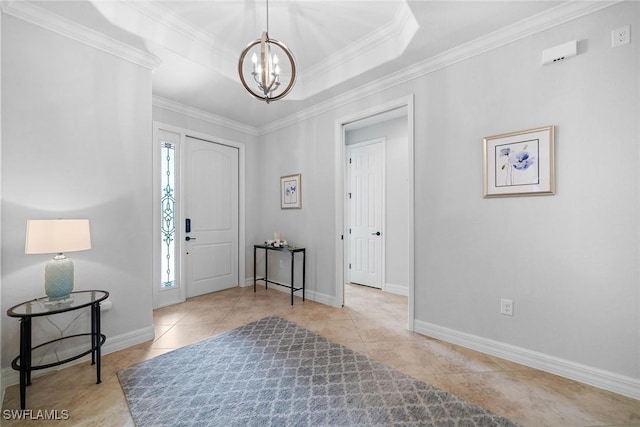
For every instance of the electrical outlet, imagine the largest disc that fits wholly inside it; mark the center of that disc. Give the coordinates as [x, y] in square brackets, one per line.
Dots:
[506, 307]
[621, 36]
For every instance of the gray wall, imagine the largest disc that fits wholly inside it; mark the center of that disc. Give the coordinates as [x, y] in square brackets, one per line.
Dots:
[569, 261]
[76, 142]
[396, 196]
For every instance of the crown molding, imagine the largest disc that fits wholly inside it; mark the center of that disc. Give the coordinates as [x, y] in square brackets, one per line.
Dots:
[43, 18]
[203, 49]
[177, 107]
[519, 30]
[550, 18]
[164, 28]
[361, 55]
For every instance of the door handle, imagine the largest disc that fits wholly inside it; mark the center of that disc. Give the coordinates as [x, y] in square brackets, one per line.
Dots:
[189, 238]
[377, 233]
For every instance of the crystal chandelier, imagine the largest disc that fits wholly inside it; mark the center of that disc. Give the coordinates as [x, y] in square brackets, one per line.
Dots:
[270, 81]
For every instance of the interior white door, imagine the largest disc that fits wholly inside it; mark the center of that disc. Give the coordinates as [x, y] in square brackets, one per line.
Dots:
[366, 213]
[211, 208]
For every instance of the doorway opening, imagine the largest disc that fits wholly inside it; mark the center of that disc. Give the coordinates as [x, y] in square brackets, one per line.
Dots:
[393, 124]
[199, 221]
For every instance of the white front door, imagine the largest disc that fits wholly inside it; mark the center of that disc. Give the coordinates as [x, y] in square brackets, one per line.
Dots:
[210, 242]
[366, 188]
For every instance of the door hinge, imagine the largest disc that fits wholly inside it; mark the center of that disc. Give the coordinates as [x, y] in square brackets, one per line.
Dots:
[342, 237]
[349, 195]
[349, 231]
[349, 160]
[349, 266]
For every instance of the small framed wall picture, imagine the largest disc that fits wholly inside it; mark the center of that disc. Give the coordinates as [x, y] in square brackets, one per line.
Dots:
[519, 163]
[290, 192]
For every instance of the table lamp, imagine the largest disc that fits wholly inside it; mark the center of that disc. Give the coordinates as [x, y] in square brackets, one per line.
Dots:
[55, 236]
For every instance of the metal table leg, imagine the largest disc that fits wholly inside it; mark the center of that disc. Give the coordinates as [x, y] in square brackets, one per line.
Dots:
[292, 283]
[266, 269]
[98, 338]
[25, 359]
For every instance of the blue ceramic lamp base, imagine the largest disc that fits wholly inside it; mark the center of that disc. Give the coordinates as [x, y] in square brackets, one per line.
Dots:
[58, 278]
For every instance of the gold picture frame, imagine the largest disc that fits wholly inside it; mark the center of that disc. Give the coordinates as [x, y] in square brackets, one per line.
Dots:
[519, 163]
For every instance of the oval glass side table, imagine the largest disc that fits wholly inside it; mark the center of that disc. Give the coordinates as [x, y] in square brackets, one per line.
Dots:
[44, 307]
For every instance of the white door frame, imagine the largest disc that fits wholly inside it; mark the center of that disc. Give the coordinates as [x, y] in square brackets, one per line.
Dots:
[183, 133]
[341, 194]
[383, 142]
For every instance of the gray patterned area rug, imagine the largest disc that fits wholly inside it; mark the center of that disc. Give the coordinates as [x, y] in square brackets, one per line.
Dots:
[274, 373]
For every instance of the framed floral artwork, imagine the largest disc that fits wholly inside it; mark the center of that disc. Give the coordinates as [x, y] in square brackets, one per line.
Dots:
[519, 163]
[290, 192]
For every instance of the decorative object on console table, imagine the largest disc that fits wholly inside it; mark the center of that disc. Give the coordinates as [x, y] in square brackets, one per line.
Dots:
[57, 236]
[519, 163]
[290, 192]
[277, 241]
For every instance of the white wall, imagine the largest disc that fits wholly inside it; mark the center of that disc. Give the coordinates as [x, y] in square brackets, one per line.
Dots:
[76, 142]
[569, 261]
[397, 198]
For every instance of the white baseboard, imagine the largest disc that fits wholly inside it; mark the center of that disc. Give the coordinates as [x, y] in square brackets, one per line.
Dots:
[11, 377]
[308, 294]
[396, 289]
[596, 377]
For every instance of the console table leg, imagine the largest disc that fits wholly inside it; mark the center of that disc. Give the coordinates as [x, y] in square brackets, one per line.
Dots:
[304, 263]
[254, 269]
[266, 269]
[292, 283]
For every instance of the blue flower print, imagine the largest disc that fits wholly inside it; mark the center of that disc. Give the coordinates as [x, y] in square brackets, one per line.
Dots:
[521, 161]
[505, 151]
[516, 161]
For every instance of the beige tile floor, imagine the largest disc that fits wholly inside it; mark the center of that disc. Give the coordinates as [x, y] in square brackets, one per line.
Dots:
[373, 323]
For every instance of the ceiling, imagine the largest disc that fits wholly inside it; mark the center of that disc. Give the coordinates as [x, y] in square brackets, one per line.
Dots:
[338, 45]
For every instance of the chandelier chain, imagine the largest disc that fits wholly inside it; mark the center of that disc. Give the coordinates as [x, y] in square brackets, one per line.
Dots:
[267, 16]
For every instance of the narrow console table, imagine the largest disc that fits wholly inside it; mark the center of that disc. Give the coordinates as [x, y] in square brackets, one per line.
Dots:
[293, 252]
[44, 307]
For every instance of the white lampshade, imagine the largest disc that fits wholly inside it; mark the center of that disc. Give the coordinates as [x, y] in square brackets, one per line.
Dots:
[49, 236]
[57, 236]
